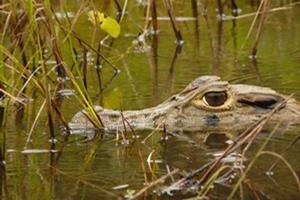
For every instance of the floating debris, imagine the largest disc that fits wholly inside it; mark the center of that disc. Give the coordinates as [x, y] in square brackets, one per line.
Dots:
[11, 150]
[125, 142]
[178, 19]
[38, 151]
[53, 140]
[62, 15]
[129, 194]
[143, 3]
[231, 158]
[32, 151]
[269, 173]
[66, 92]
[120, 187]
[48, 62]
[154, 161]
[140, 44]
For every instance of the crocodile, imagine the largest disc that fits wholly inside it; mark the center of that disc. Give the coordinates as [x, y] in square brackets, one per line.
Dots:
[206, 104]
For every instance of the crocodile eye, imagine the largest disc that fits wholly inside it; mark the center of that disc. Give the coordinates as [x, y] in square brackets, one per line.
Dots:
[215, 99]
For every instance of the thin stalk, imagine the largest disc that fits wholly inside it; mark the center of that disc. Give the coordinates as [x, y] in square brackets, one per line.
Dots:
[179, 39]
[220, 9]
[195, 10]
[234, 8]
[50, 115]
[209, 183]
[266, 5]
[119, 8]
[98, 69]
[123, 10]
[34, 124]
[154, 16]
[84, 68]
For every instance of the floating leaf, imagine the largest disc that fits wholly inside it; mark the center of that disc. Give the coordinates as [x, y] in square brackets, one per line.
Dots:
[108, 24]
[111, 26]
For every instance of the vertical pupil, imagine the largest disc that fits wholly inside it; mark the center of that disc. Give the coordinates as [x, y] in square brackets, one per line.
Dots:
[215, 98]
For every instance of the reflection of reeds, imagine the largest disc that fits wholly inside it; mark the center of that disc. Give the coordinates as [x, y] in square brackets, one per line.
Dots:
[3, 180]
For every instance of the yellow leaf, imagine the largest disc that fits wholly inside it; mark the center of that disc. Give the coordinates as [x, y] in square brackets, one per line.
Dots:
[107, 24]
[111, 26]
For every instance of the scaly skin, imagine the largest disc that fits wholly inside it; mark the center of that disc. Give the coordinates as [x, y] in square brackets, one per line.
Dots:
[188, 111]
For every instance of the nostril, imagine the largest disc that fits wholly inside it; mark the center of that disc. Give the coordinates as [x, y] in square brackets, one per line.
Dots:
[264, 101]
[262, 104]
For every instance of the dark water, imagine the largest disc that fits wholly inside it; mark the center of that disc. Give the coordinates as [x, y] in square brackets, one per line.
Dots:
[90, 170]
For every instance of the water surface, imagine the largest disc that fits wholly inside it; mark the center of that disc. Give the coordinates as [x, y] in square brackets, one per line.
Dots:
[90, 170]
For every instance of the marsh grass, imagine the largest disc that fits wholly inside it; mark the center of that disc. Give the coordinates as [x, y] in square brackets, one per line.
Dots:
[41, 54]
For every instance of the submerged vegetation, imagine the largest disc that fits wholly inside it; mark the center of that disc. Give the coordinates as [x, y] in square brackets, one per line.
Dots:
[58, 57]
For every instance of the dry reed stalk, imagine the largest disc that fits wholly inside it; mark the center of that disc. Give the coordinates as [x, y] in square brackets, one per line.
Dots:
[154, 16]
[220, 9]
[50, 114]
[194, 4]
[98, 69]
[179, 39]
[124, 120]
[234, 8]
[119, 8]
[265, 8]
[84, 68]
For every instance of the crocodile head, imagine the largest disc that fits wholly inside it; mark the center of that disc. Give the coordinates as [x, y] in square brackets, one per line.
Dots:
[206, 104]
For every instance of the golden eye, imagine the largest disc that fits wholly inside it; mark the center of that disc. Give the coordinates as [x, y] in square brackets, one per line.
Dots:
[215, 99]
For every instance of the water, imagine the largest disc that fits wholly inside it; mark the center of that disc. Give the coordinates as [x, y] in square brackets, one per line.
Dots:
[91, 170]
